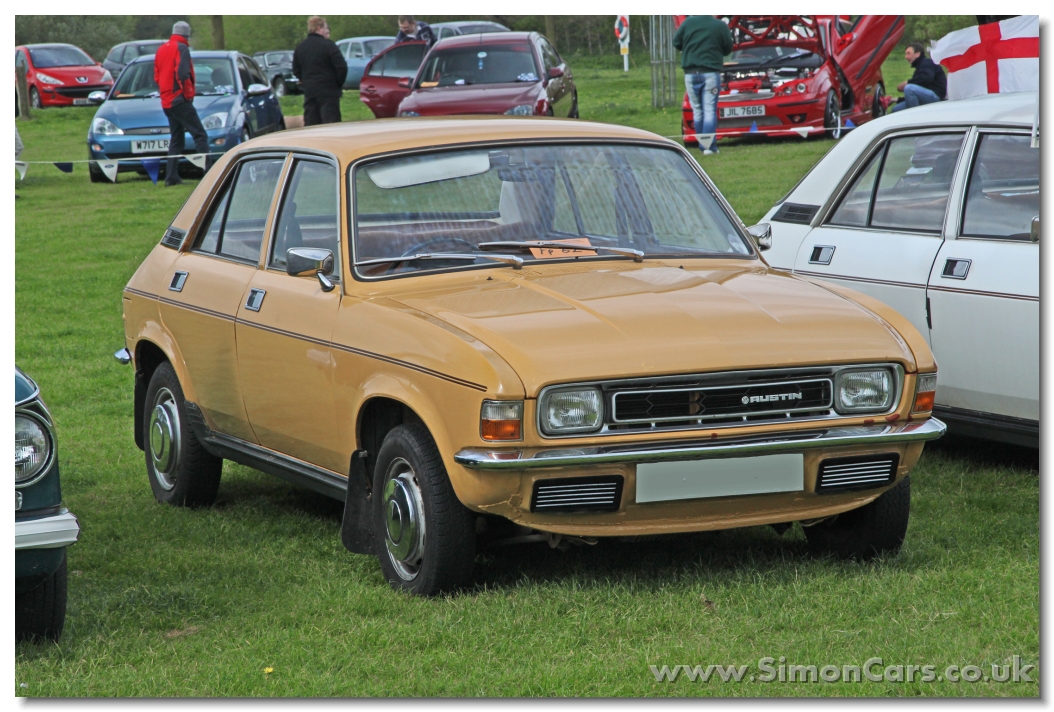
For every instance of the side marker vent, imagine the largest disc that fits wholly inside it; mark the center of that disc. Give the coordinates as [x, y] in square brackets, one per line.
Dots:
[173, 238]
[864, 472]
[578, 494]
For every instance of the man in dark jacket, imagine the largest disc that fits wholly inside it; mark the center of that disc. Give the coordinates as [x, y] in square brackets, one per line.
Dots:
[927, 85]
[411, 29]
[704, 41]
[174, 74]
[321, 68]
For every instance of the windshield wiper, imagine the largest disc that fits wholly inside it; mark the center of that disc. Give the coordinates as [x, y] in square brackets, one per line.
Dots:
[516, 262]
[637, 255]
[784, 58]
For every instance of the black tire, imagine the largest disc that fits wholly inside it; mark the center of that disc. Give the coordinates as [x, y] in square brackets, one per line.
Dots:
[433, 549]
[279, 87]
[246, 134]
[40, 614]
[874, 529]
[878, 108]
[97, 176]
[832, 116]
[549, 111]
[574, 108]
[180, 471]
[34, 99]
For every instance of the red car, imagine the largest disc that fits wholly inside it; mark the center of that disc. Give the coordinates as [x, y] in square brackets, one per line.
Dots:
[61, 74]
[515, 73]
[796, 75]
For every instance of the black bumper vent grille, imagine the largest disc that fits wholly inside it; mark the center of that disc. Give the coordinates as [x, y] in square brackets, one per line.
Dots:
[81, 92]
[796, 213]
[578, 494]
[865, 472]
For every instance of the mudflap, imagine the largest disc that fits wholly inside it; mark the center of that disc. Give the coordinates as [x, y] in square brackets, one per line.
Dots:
[355, 531]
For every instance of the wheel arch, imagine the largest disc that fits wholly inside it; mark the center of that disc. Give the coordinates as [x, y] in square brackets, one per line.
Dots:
[152, 350]
[377, 417]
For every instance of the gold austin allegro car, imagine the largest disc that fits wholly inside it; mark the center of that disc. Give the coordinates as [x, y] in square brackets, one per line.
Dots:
[513, 328]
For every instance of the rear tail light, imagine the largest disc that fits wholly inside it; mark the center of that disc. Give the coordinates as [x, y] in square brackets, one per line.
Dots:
[925, 390]
[501, 420]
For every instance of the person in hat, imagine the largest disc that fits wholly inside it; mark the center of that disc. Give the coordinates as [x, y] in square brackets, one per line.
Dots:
[174, 74]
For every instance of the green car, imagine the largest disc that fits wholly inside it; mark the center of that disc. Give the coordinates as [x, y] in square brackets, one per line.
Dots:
[43, 527]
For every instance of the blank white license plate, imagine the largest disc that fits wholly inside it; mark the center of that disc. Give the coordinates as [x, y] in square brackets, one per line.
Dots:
[735, 112]
[156, 145]
[81, 102]
[695, 479]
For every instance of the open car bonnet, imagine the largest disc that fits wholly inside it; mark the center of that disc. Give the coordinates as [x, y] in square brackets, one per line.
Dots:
[800, 31]
[563, 323]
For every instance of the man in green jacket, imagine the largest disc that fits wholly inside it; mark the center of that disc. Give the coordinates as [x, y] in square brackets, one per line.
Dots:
[704, 40]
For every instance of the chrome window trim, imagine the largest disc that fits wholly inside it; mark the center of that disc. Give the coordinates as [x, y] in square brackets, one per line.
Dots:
[832, 370]
[43, 416]
[734, 218]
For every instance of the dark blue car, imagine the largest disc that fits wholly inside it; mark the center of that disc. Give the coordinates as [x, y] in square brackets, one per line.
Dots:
[233, 99]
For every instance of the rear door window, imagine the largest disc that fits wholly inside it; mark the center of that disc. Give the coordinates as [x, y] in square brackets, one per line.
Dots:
[238, 217]
[308, 214]
[1002, 196]
[915, 181]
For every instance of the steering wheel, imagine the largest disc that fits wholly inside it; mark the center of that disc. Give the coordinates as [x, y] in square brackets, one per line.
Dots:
[457, 242]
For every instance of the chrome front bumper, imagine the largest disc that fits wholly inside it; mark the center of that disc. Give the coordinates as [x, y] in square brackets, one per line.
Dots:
[52, 532]
[864, 436]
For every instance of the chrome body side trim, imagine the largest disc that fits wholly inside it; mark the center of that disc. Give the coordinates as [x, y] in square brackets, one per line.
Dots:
[52, 532]
[862, 436]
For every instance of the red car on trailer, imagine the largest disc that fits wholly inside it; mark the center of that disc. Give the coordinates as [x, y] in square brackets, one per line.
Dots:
[801, 75]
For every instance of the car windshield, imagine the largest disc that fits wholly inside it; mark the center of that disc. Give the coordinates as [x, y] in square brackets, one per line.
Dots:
[375, 46]
[213, 75]
[771, 55]
[60, 57]
[479, 64]
[279, 58]
[607, 197]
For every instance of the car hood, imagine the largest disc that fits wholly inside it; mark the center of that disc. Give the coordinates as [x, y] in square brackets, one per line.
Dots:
[565, 323]
[486, 99]
[140, 113]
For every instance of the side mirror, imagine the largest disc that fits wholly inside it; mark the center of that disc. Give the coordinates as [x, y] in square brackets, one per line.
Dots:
[301, 260]
[555, 72]
[97, 97]
[1034, 231]
[762, 234]
[257, 89]
[845, 40]
[404, 82]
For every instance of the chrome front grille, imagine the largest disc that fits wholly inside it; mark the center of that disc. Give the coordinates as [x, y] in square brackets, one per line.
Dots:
[578, 494]
[863, 472]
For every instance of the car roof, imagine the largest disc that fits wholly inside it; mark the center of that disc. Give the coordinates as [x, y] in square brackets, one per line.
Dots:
[196, 54]
[1015, 110]
[48, 45]
[365, 38]
[485, 39]
[463, 23]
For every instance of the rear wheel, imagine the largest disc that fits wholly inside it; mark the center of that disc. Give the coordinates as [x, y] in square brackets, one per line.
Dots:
[574, 108]
[878, 106]
[41, 613]
[245, 134]
[876, 528]
[427, 537]
[181, 472]
[279, 87]
[832, 115]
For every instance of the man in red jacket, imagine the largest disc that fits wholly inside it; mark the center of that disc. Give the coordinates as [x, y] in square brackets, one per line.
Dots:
[174, 74]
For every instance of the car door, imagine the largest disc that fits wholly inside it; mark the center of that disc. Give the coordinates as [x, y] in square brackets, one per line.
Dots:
[860, 52]
[255, 110]
[984, 285]
[285, 362]
[270, 111]
[885, 230]
[380, 88]
[209, 282]
[356, 60]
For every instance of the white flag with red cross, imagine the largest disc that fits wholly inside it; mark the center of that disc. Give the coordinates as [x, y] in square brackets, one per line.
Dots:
[999, 57]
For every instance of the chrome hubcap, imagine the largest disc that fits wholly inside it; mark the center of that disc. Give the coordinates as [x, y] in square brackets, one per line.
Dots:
[164, 438]
[404, 521]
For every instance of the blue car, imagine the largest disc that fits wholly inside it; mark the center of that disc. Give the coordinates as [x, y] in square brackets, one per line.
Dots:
[233, 99]
[358, 51]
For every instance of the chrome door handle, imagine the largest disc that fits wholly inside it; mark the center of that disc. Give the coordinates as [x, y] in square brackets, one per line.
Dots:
[956, 268]
[255, 300]
[178, 280]
[821, 255]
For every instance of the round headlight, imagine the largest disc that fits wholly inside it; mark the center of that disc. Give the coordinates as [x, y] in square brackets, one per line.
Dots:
[32, 448]
[800, 88]
[863, 391]
[578, 410]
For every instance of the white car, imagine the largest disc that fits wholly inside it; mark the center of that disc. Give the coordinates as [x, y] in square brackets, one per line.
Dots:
[935, 211]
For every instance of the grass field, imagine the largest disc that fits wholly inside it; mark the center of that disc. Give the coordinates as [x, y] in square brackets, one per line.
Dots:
[257, 597]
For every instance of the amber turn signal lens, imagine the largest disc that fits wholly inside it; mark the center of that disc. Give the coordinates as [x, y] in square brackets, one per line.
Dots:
[925, 390]
[500, 429]
[501, 420]
[924, 402]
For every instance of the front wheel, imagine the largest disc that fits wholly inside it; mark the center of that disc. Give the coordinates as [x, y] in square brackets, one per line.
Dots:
[279, 87]
[181, 472]
[34, 98]
[832, 116]
[574, 108]
[876, 528]
[427, 537]
[878, 105]
[40, 614]
[245, 134]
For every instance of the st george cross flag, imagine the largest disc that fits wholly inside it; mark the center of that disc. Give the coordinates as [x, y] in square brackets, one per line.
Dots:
[999, 57]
